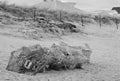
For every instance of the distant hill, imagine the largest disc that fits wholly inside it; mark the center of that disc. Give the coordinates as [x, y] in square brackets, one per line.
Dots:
[117, 9]
[58, 5]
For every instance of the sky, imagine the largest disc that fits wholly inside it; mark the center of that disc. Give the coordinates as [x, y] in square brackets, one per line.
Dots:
[87, 5]
[95, 4]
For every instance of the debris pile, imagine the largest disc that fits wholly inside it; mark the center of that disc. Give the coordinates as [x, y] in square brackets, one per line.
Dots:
[40, 59]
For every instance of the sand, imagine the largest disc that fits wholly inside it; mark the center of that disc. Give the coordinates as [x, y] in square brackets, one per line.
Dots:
[105, 59]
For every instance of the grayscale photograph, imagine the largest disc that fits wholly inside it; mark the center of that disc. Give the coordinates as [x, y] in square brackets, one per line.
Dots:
[59, 40]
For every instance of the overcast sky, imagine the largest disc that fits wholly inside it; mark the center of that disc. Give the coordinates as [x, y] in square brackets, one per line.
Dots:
[96, 4]
[82, 4]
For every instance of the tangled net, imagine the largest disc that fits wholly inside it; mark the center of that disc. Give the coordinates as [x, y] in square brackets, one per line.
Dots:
[40, 59]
